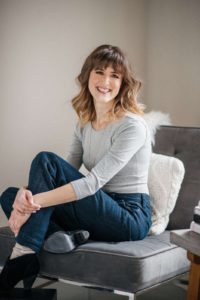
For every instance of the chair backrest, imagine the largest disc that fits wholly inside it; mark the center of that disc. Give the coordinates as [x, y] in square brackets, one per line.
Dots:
[183, 143]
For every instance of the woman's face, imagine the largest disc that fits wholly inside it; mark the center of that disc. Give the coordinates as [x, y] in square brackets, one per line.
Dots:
[104, 84]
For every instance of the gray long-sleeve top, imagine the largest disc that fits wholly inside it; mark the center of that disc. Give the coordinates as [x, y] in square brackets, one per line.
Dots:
[116, 157]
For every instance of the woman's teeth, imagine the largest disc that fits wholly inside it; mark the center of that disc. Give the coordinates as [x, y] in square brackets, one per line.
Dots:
[103, 90]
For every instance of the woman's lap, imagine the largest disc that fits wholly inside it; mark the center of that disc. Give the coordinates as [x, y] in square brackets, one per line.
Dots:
[103, 215]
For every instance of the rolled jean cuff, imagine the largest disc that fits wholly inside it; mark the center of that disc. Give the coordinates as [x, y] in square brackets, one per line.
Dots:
[30, 243]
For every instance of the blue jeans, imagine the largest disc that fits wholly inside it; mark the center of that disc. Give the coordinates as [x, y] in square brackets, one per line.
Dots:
[109, 217]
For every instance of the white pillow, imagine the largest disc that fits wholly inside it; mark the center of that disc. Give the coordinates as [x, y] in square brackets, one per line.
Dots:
[164, 181]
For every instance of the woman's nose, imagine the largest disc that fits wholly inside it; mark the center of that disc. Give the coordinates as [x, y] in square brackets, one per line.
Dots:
[105, 80]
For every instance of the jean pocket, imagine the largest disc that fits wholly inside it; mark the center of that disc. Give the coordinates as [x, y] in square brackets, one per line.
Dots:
[133, 206]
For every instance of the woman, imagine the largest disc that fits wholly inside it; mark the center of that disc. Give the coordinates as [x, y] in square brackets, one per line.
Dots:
[112, 140]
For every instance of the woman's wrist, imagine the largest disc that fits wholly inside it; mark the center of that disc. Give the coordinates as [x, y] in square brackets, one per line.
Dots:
[37, 199]
[43, 199]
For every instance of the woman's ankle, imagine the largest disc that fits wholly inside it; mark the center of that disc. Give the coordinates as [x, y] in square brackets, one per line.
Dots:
[20, 250]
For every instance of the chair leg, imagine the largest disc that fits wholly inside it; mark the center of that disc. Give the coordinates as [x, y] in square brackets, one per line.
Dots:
[129, 295]
[132, 297]
[194, 278]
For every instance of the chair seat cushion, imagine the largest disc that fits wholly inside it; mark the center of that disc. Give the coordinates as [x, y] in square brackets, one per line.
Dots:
[125, 266]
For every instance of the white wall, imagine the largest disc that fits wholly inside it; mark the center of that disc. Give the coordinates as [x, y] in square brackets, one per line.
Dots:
[173, 59]
[43, 46]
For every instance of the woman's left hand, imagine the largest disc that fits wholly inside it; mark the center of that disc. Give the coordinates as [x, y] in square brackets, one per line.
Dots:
[24, 203]
[16, 221]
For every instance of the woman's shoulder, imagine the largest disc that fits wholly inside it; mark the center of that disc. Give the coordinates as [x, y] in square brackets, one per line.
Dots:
[130, 125]
[134, 120]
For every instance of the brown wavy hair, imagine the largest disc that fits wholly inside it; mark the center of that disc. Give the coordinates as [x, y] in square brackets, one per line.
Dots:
[126, 100]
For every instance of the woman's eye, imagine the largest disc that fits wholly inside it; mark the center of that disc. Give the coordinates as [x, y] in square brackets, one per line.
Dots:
[99, 72]
[115, 76]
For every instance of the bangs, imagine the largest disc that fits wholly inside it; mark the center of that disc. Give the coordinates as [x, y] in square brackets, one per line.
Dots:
[113, 60]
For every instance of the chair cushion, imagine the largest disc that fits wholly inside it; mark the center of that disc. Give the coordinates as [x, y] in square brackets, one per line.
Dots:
[165, 177]
[125, 266]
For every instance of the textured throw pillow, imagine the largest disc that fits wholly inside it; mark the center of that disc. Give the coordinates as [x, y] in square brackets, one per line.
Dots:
[165, 177]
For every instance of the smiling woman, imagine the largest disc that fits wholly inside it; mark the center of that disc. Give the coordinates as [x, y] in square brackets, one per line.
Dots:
[112, 201]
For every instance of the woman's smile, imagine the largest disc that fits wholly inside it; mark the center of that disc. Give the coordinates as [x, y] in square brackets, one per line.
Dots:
[103, 90]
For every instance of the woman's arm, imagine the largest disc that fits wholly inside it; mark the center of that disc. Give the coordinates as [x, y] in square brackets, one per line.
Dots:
[57, 196]
[75, 153]
[25, 204]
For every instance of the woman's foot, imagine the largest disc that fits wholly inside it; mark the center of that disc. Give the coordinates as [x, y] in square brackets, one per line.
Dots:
[25, 267]
[64, 242]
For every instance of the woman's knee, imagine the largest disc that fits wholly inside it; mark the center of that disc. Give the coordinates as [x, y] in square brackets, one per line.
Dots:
[7, 197]
[42, 156]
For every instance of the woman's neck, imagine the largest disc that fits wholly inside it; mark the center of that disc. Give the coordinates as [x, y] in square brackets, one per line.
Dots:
[102, 115]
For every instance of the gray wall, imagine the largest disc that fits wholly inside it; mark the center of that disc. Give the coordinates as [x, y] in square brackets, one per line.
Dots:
[173, 59]
[43, 45]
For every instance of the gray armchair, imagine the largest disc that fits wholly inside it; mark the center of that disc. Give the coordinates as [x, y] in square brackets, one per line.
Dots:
[129, 267]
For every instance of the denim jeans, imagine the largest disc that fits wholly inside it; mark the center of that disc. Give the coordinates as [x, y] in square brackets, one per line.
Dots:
[109, 217]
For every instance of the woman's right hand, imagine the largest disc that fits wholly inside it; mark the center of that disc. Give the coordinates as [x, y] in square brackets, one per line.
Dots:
[24, 203]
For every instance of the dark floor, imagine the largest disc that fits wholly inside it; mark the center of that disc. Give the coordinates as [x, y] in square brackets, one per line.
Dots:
[168, 291]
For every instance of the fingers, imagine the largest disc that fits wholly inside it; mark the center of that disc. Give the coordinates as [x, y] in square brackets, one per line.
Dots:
[23, 212]
[26, 209]
[24, 203]
[30, 201]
